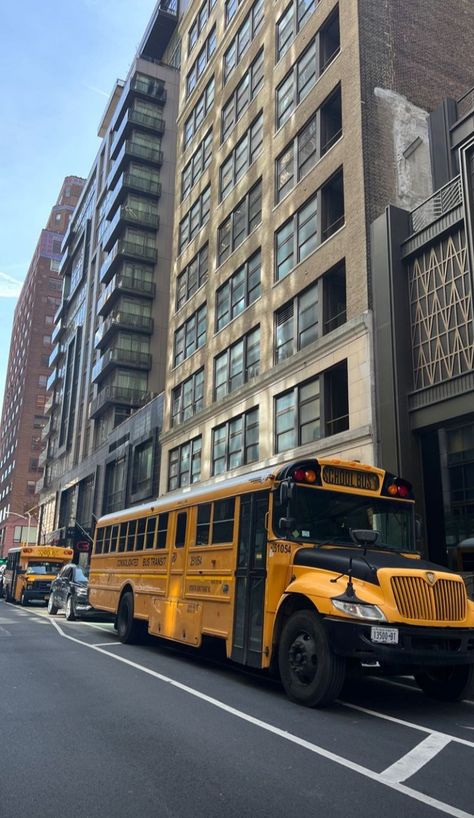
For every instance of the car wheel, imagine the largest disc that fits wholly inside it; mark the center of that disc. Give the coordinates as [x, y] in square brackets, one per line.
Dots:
[128, 628]
[310, 672]
[446, 684]
[52, 608]
[23, 599]
[70, 611]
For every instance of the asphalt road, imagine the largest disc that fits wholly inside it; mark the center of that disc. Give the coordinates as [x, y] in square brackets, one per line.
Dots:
[90, 727]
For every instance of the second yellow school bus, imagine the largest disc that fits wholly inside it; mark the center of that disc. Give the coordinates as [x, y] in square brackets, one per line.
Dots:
[308, 568]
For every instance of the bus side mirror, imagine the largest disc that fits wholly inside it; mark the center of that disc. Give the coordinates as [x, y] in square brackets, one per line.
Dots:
[285, 492]
[286, 523]
[418, 529]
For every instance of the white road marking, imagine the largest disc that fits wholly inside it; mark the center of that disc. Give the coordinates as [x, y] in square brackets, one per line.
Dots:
[39, 620]
[107, 644]
[4, 621]
[270, 728]
[411, 724]
[413, 761]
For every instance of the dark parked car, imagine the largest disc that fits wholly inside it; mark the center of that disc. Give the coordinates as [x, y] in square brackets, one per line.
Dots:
[69, 591]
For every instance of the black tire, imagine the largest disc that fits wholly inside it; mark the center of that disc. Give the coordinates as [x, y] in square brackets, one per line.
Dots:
[446, 684]
[129, 630]
[310, 672]
[52, 608]
[23, 599]
[70, 609]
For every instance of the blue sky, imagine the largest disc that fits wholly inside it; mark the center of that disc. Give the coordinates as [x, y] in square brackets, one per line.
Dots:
[58, 63]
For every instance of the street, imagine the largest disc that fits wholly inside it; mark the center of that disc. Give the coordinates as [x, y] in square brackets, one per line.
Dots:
[91, 727]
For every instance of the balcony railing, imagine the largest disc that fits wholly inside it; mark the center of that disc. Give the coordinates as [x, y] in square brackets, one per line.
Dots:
[150, 122]
[53, 379]
[58, 331]
[118, 395]
[122, 282]
[56, 353]
[149, 89]
[125, 249]
[133, 150]
[132, 182]
[120, 357]
[122, 320]
[127, 214]
[445, 199]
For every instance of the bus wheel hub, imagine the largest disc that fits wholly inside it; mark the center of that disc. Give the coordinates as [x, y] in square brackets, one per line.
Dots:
[302, 657]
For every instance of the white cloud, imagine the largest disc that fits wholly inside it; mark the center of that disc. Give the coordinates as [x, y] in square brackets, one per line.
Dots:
[9, 287]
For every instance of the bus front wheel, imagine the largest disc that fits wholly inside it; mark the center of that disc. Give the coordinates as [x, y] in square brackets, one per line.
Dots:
[446, 684]
[23, 599]
[310, 672]
[128, 629]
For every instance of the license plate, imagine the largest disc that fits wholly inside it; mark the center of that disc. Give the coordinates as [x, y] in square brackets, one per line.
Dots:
[386, 636]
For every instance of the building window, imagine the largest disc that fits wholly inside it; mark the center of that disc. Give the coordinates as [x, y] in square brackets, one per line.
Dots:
[142, 472]
[199, 22]
[315, 311]
[42, 380]
[231, 8]
[187, 398]
[185, 464]
[199, 112]
[196, 166]
[190, 336]
[195, 218]
[239, 291]
[235, 443]
[31, 487]
[245, 217]
[246, 91]
[192, 278]
[313, 223]
[242, 40]
[307, 148]
[308, 68]
[237, 364]
[291, 22]
[240, 159]
[314, 409]
[199, 65]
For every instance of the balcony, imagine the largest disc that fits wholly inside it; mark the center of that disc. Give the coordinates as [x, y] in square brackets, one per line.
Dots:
[120, 357]
[127, 214]
[68, 236]
[130, 182]
[123, 283]
[54, 378]
[123, 249]
[50, 404]
[118, 396]
[58, 331]
[43, 456]
[56, 354]
[153, 90]
[132, 150]
[65, 262]
[148, 122]
[119, 320]
[445, 199]
[159, 30]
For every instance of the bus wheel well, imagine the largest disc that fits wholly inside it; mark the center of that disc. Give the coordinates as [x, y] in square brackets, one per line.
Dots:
[292, 603]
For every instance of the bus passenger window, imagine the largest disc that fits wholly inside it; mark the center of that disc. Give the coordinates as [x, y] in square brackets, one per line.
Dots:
[223, 524]
[114, 537]
[99, 541]
[123, 537]
[132, 530]
[140, 534]
[107, 539]
[203, 524]
[162, 530]
[180, 530]
[150, 532]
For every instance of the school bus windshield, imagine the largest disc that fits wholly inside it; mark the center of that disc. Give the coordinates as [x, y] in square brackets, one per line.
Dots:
[324, 516]
[44, 567]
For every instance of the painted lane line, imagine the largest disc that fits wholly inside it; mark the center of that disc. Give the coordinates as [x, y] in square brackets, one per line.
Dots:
[413, 761]
[270, 728]
[107, 644]
[413, 688]
[404, 723]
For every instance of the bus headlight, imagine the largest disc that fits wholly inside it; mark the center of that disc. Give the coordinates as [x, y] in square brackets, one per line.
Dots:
[359, 610]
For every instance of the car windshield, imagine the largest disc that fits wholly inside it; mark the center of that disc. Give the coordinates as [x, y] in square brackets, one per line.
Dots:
[44, 567]
[323, 516]
[81, 574]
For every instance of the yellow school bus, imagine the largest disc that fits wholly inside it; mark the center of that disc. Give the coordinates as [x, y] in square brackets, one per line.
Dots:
[30, 571]
[308, 568]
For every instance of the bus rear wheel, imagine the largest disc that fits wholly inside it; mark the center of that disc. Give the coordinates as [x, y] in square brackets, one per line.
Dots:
[310, 672]
[446, 684]
[128, 629]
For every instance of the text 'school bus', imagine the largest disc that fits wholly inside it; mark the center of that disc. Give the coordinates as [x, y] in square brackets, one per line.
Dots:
[308, 568]
[30, 571]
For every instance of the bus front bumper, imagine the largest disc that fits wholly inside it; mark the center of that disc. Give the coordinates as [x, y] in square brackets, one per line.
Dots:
[416, 645]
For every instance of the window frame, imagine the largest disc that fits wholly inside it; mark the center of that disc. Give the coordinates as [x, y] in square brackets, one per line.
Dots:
[249, 268]
[248, 425]
[226, 355]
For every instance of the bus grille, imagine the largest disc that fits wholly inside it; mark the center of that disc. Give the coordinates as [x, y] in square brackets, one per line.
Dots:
[443, 601]
[42, 585]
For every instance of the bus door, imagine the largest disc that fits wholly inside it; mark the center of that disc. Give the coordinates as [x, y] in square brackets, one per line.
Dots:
[175, 586]
[250, 580]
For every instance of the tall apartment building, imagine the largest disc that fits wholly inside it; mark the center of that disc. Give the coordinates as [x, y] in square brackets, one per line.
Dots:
[27, 376]
[110, 329]
[424, 326]
[298, 123]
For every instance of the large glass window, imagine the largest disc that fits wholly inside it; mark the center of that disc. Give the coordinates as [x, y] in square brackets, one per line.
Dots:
[184, 464]
[199, 112]
[190, 336]
[199, 22]
[237, 364]
[243, 38]
[195, 218]
[201, 61]
[239, 291]
[193, 276]
[242, 156]
[291, 22]
[142, 473]
[187, 398]
[246, 91]
[245, 217]
[196, 166]
[235, 442]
